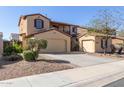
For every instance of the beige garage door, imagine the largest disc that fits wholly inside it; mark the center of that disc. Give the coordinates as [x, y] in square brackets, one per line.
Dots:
[55, 45]
[88, 46]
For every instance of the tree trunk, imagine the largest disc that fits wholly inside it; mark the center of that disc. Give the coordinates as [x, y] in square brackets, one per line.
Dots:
[106, 45]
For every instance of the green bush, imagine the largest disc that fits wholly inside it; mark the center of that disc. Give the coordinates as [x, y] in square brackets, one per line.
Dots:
[29, 55]
[8, 50]
[35, 54]
[17, 48]
[12, 49]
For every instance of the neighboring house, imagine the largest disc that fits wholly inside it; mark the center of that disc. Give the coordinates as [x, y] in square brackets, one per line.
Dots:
[14, 37]
[1, 43]
[117, 40]
[61, 37]
[94, 42]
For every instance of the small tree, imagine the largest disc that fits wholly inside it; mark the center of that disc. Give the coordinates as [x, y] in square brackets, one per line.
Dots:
[106, 22]
[36, 44]
[120, 33]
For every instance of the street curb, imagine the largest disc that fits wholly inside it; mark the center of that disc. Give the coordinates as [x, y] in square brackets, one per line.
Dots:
[97, 82]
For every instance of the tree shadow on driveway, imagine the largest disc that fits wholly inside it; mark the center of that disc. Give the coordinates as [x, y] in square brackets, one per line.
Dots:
[54, 61]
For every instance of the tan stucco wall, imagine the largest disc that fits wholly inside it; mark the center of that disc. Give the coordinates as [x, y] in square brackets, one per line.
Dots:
[24, 42]
[55, 35]
[22, 28]
[117, 41]
[86, 38]
[81, 31]
[98, 45]
[27, 25]
[30, 24]
[1, 45]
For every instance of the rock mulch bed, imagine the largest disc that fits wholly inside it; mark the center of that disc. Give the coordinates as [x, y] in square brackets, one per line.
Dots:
[13, 69]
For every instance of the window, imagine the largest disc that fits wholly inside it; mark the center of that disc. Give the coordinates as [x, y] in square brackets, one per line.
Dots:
[74, 29]
[104, 43]
[38, 24]
[66, 28]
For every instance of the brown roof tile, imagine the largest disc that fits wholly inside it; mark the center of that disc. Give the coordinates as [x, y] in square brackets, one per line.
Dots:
[118, 37]
[43, 31]
[24, 16]
[63, 23]
[94, 34]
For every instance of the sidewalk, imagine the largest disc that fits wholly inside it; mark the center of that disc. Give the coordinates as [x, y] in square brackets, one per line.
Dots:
[97, 75]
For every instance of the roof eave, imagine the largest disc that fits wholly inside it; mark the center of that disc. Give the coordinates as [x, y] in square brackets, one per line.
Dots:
[43, 31]
[24, 16]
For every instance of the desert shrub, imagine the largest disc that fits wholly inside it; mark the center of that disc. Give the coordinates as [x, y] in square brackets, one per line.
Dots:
[31, 52]
[35, 45]
[12, 49]
[17, 48]
[8, 50]
[35, 54]
[113, 49]
[29, 55]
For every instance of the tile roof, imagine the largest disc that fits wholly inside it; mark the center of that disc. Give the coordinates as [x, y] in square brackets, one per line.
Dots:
[43, 31]
[25, 16]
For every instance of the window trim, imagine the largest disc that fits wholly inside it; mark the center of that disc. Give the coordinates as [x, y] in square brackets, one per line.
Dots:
[35, 23]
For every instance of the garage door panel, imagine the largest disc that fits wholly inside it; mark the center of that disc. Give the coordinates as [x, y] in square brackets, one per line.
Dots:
[88, 46]
[55, 45]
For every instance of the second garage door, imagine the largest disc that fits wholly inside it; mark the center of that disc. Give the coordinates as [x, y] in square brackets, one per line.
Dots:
[88, 46]
[55, 45]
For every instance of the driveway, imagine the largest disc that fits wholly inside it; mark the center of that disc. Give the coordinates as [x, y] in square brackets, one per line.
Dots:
[79, 59]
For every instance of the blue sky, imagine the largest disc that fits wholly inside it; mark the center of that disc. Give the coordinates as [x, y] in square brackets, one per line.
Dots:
[9, 16]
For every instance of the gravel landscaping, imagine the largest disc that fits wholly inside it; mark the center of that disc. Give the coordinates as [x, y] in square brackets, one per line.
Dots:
[13, 69]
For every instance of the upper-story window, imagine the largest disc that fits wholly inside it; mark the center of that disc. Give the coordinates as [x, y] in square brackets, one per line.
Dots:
[66, 28]
[38, 23]
[74, 29]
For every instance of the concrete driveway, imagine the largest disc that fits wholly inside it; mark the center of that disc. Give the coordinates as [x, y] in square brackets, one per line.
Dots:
[79, 59]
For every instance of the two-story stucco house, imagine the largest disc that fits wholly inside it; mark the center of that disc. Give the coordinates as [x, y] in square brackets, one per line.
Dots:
[1, 43]
[61, 37]
[57, 34]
